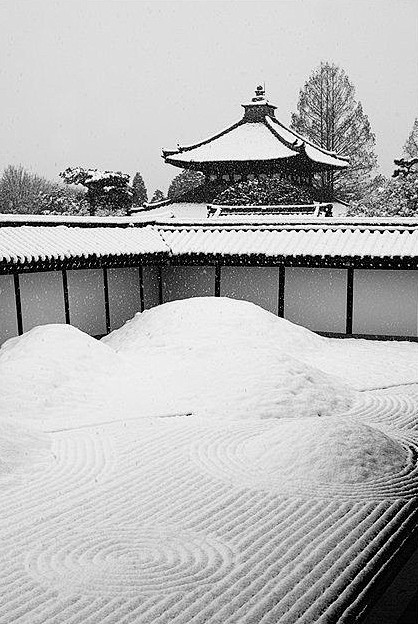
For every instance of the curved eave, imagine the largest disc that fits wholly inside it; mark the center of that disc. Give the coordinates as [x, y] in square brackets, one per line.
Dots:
[232, 164]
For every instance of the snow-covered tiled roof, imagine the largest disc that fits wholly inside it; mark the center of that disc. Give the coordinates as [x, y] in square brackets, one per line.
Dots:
[258, 137]
[247, 142]
[27, 244]
[289, 239]
[269, 237]
[71, 220]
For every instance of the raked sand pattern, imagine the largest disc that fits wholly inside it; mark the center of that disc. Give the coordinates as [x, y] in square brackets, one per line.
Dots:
[205, 520]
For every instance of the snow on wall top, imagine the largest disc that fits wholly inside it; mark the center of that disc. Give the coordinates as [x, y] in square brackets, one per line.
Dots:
[27, 244]
[270, 237]
[272, 240]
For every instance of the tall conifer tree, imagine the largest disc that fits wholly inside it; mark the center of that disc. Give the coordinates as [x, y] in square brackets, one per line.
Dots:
[411, 146]
[140, 196]
[329, 115]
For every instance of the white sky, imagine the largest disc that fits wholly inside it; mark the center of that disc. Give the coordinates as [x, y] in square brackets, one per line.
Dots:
[108, 84]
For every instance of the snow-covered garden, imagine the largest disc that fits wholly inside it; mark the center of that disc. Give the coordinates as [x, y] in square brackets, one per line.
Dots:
[208, 462]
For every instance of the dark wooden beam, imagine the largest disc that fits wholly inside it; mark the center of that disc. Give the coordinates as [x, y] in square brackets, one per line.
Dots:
[106, 300]
[280, 302]
[18, 304]
[349, 302]
[368, 336]
[66, 298]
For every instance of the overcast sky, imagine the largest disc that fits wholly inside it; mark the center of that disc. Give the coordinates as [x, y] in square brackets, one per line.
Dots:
[108, 84]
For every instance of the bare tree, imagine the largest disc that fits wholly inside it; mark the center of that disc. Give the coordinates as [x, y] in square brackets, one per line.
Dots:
[329, 115]
[20, 190]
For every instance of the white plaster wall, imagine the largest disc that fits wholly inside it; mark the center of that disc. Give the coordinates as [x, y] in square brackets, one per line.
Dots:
[182, 282]
[151, 291]
[8, 318]
[259, 285]
[86, 298]
[42, 298]
[124, 295]
[385, 302]
[316, 298]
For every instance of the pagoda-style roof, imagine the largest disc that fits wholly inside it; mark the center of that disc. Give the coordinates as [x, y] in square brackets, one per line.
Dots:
[259, 138]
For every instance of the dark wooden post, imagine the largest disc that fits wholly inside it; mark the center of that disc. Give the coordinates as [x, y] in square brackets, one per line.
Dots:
[349, 302]
[66, 299]
[280, 306]
[141, 289]
[160, 284]
[217, 280]
[18, 304]
[106, 300]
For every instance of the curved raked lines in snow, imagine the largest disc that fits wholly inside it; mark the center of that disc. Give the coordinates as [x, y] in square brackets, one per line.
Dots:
[80, 460]
[143, 560]
[392, 409]
[225, 456]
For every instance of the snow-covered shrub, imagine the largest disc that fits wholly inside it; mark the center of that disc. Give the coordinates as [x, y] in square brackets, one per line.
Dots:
[265, 192]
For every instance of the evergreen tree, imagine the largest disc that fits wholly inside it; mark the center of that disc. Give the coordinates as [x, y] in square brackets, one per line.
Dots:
[140, 196]
[329, 116]
[411, 146]
[184, 182]
[394, 197]
[158, 196]
[106, 190]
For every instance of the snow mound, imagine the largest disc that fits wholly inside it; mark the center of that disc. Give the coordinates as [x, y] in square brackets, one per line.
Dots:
[20, 447]
[324, 451]
[59, 369]
[212, 321]
[241, 383]
[228, 359]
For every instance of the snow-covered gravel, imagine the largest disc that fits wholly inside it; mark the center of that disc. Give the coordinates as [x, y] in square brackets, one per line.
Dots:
[206, 463]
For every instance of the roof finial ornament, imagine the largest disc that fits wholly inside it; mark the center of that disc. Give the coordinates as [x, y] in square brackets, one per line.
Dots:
[259, 94]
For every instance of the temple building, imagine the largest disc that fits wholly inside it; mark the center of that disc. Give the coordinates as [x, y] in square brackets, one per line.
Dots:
[255, 147]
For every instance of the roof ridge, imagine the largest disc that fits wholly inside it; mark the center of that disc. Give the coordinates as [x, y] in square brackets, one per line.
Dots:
[305, 140]
[288, 144]
[187, 148]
